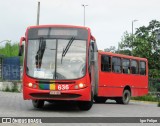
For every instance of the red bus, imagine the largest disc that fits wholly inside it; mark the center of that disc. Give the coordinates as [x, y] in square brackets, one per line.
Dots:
[120, 77]
[62, 63]
[58, 64]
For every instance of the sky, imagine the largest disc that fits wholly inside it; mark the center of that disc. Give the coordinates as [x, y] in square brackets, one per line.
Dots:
[107, 19]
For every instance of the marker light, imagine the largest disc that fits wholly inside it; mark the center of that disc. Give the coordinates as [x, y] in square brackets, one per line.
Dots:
[30, 84]
[76, 86]
[34, 85]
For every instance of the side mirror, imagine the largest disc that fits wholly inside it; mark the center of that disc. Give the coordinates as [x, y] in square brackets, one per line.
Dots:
[21, 50]
[93, 52]
[21, 47]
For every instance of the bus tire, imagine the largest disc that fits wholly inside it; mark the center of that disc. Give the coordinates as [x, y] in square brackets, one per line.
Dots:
[100, 99]
[86, 105]
[125, 98]
[38, 103]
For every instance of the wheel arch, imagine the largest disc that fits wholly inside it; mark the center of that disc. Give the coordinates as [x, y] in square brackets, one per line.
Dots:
[127, 87]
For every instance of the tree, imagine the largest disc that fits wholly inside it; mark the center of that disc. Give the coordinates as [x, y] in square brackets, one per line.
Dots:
[144, 44]
[110, 49]
[9, 50]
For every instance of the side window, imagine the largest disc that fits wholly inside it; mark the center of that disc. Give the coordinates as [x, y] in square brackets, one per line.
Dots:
[126, 66]
[105, 63]
[116, 64]
[134, 67]
[142, 68]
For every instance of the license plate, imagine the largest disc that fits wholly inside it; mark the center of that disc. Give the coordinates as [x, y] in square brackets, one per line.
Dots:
[55, 93]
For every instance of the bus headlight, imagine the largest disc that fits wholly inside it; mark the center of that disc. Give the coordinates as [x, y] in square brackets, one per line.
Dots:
[79, 86]
[30, 84]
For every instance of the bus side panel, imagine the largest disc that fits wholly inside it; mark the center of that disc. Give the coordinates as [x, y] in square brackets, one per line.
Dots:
[140, 87]
[110, 91]
[109, 85]
[139, 91]
[113, 84]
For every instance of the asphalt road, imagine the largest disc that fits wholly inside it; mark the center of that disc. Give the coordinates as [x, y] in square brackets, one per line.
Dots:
[13, 105]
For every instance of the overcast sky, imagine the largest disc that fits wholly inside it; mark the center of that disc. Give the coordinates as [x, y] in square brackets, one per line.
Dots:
[108, 19]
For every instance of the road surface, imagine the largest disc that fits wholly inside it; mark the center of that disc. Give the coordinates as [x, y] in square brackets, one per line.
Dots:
[13, 105]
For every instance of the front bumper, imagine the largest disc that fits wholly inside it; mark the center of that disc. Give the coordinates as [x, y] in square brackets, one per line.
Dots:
[73, 95]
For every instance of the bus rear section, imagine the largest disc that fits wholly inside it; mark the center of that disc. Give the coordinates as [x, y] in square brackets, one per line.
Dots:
[121, 77]
[56, 65]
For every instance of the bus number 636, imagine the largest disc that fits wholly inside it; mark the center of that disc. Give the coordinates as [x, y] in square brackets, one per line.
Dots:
[63, 87]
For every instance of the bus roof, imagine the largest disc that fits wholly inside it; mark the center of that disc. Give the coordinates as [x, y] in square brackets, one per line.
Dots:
[121, 55]
[58, 26]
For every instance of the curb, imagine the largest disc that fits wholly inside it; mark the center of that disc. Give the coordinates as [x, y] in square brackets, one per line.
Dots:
[148, 102]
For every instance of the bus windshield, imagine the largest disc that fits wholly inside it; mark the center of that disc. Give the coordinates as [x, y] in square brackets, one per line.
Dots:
[46, 59]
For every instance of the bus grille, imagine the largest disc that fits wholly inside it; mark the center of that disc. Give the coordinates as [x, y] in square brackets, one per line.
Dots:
[62, 96]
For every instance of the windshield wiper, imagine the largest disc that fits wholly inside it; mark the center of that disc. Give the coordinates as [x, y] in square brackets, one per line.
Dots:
[40, 52]
[67, 48]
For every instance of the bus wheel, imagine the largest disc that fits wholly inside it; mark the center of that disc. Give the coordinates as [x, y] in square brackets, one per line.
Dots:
[86, 105]
[125, 98]
[38, 103]
[100, 99]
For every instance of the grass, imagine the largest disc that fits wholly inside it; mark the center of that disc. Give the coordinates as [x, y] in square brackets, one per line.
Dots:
[148, 97]
[7, 89]
[13, 89]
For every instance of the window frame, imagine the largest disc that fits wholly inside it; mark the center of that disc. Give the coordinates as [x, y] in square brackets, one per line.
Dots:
[140, 68]
[108, 64]
[136, 68]
[126, 69]
[120, 65]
